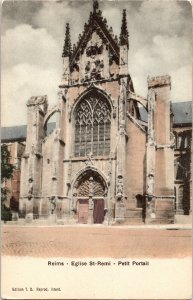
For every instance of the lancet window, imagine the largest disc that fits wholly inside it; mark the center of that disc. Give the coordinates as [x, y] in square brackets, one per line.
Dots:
[92, 126]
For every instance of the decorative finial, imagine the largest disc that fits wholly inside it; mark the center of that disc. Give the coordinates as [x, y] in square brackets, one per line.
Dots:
[124, 36]
[67, 42]
[95, 5]
[111, 30]
[85, 26]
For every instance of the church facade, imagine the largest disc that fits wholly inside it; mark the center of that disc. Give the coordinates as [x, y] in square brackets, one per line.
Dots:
[102, 163]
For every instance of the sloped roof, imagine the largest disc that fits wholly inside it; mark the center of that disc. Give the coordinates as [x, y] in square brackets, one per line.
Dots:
[143, 114]
[18, 133]
[13, 133]
[182, 113]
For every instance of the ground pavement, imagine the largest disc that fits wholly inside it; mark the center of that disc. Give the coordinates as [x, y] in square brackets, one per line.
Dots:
[95, 241]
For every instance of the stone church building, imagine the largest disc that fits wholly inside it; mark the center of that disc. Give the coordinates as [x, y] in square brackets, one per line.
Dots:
[102, 163]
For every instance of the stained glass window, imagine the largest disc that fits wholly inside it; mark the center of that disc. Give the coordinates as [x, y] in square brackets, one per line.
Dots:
[92, 126]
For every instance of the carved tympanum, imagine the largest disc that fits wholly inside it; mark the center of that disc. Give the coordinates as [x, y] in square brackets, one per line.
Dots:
[90, 184]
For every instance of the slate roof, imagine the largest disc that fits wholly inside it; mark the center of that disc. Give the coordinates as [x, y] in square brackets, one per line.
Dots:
[143, 114]
[18, 133]
[182, 113]
[182, 117]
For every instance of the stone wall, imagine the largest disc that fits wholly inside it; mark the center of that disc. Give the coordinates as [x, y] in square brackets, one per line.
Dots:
[160, 153]
[135, 163]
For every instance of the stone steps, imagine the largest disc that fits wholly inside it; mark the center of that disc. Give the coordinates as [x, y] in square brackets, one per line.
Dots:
[183, 219]
[129, 221]
[132, 215]
[160, 221]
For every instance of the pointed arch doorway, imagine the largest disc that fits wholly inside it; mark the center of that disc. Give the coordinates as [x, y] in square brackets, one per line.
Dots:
[90, 190]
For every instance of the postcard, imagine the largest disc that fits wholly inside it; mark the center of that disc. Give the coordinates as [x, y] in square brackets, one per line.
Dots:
[96, 141]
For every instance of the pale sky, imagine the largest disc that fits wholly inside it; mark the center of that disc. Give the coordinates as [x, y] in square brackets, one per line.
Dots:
[32, 43]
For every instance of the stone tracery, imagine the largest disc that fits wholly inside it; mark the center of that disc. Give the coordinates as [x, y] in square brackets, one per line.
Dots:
[92, 126]
[90, 183]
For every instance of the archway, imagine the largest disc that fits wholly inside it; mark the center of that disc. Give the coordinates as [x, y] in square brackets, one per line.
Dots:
[90, 190]
[92, 123]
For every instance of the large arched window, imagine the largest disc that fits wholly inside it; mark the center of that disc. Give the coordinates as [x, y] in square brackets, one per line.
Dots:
[92, 125]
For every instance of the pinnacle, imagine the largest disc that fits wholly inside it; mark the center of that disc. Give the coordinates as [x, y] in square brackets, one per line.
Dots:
[67, 42]
[95, 5]
[124, 32]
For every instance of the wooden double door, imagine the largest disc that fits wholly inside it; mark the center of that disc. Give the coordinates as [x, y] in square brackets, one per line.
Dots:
[83, 211]
[98, 211]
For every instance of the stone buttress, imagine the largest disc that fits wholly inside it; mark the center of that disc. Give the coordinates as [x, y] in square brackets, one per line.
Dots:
[31, 169]
[160, 153]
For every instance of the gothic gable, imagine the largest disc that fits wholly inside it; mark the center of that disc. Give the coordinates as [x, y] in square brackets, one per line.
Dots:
[94, 58]
[98, 25]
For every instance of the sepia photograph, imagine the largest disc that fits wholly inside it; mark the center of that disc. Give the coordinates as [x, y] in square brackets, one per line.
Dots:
[96, 149]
